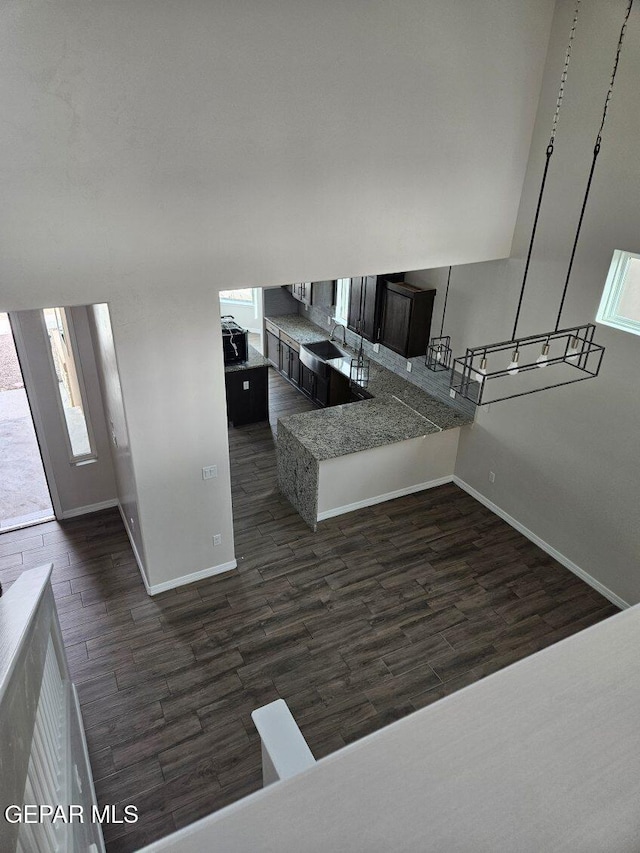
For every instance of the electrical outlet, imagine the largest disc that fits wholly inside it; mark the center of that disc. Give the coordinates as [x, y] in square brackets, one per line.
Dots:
[492, 477]
[452, 393]
[409, 367]
[217, 539]
[245, 385]
[210, 472]
[376, 347]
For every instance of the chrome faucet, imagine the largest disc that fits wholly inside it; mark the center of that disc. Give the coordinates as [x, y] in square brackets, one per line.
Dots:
[344, 333]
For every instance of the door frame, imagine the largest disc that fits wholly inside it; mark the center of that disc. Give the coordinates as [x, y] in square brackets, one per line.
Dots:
[16, 329]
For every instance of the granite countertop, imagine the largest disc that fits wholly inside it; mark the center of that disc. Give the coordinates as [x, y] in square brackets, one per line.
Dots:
[300, 329]
[398, 411]
[336, 431]
[254, 360]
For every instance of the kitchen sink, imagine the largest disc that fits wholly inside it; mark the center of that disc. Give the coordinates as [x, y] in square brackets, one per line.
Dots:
[315, 356]
[325, 350]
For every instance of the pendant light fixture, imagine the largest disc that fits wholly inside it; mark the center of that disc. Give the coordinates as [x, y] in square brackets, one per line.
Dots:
[359, 370]
[570, 351]
[439, 350]
[359, 367]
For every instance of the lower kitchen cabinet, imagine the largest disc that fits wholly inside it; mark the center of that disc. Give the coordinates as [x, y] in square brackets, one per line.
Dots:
[290, 363]
[273, 349]
[341, 390]
[247, 395]
[314, 386]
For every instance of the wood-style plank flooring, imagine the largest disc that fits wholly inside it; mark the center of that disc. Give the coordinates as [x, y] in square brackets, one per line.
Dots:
[379, 613]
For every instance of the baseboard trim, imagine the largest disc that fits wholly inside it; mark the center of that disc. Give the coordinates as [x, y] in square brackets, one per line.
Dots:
[388, 496]
[194, 576]
[85, 510]
[549, 549]
[134, 548]
[154, 589]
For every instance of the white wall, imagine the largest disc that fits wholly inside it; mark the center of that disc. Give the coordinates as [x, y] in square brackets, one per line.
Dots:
[171, 369]
[158, 152]
[74, 488]
[566, 460]
[264, 141]
[372, 476]
[120, 445]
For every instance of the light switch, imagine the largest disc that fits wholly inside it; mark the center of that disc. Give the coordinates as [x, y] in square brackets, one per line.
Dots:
[210, 472]
[245, 385]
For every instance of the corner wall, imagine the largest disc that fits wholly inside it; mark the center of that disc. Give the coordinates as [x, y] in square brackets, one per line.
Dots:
[109, 380]
[566, 460]
[170, 362]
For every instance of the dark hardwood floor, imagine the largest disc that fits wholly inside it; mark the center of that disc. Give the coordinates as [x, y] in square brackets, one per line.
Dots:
[379, 613]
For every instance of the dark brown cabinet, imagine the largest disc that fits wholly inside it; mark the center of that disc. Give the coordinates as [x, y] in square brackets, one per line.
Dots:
[314, 386]
[247, 395]
[406, 318]
[365, 304]
[283, 352]
[299, 290]
[290, 362]
[273, 349]
[314, 292]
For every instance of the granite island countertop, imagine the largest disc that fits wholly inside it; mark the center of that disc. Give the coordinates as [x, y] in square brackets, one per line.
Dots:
[254, 359]
[398, 410]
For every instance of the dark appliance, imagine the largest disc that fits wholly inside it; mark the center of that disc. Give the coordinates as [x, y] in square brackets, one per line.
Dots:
[235, 341]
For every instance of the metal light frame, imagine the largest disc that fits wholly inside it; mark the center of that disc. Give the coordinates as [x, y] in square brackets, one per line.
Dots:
[439, 350]
[359, 367]
[439, 353]
[470, 377]
[359, 372]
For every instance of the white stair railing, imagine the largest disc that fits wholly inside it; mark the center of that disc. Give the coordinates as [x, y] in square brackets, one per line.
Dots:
[285, 752]
[44, 764]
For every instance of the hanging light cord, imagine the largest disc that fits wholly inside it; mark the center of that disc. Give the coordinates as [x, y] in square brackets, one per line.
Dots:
[550, 147]
[446, 296]
[596, 151]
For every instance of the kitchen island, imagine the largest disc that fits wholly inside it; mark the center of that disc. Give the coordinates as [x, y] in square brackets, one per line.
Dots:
[334, 460]
[247, 389]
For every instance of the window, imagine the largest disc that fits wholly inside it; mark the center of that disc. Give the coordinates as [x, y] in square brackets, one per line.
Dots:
[342, 300]
[243, 295]
[620, 303]
[68, 378]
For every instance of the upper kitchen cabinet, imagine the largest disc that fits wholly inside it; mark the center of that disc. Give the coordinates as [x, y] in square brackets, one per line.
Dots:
[314, 292]
[406, 318]
[364, 307]
[365, 304]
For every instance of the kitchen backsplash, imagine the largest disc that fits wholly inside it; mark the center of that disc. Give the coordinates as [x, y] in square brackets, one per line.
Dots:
[278, 301]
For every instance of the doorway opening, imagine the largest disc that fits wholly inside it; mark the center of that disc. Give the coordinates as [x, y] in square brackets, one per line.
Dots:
[24, 492]
[245, 306]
